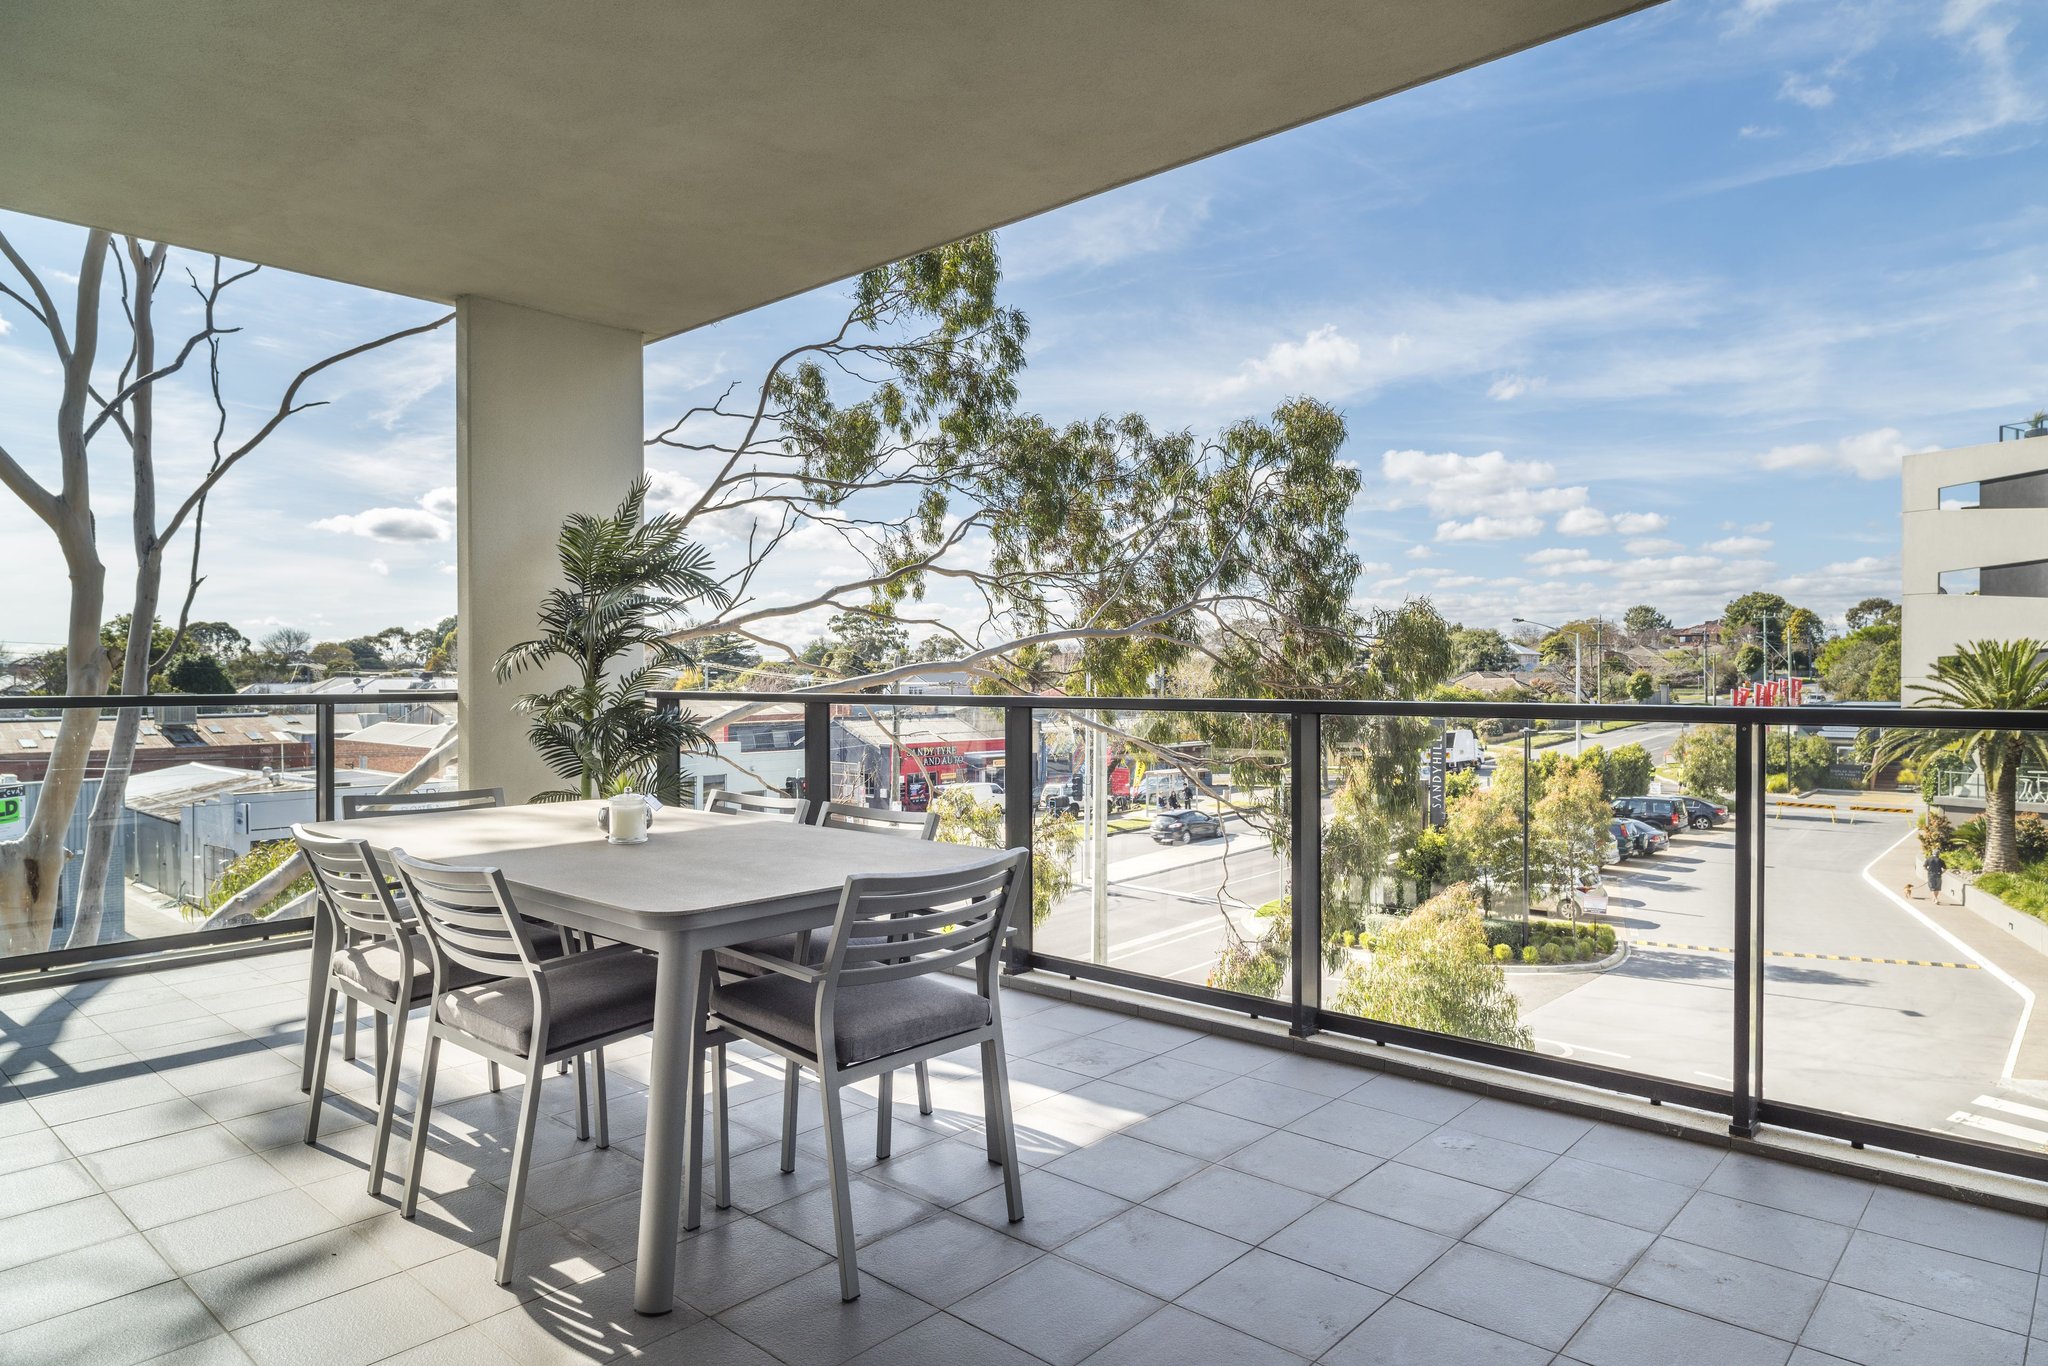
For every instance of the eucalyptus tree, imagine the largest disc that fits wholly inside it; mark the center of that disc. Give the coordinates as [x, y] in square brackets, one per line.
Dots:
[106, 395]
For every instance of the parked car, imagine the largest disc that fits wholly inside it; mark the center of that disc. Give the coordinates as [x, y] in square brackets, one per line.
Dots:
[1705, 814]
[1649, 839]
[1663, 813]
[1184, 827]
[1624, 841]
[988, 794]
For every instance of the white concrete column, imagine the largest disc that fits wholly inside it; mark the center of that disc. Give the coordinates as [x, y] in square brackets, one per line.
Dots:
[549, 420]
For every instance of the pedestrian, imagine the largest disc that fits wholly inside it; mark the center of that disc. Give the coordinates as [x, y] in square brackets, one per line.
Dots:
[1935, 867]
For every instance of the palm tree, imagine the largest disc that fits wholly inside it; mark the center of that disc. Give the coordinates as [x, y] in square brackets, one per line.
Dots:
[2004, 675]
[626, 577]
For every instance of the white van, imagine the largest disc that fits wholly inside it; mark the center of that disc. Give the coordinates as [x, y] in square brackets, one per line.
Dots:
[987, 793]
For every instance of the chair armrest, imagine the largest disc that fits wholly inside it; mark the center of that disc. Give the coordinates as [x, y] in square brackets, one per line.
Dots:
[572, 957]
[774, 964]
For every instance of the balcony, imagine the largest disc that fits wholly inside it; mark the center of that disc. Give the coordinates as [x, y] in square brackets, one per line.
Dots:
[1704, 1149]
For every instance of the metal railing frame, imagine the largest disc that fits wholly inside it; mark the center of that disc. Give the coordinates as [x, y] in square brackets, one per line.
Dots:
[108, 956]
[1746, 1102]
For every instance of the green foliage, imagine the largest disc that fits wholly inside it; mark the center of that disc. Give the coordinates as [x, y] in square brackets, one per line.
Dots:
[1705, 757]
[1644, 621]
[1628, 771]
[1777, 782]
[1503, 953]
[1256, 967]
[2025, 890]
[1529, 953]
[1872, 612]
[2004, 675]
[244, 872]
[1641, 686]
[1055, 840]
[1548, 953]
[1480, 648]
[198, 674]
[1434, 970]
[1749, 660]
[1862, 666]
[1935, 832]
[1805, 761]
[625, 576]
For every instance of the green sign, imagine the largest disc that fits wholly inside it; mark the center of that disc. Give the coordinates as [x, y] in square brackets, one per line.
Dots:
[11, 806]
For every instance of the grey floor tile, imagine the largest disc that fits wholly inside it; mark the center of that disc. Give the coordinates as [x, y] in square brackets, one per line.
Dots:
[73, 1280]
[226, 1235]
[1125, 1166]
[1225, 1054]
[1261, 1101]
[940, 1174]
[1367, 1248]
[724, 1266]
[1174, 1337]
[1174, 1078]
[758, 1180]
[1408, 1096]
[1075, 1018]
[1234, 1204]
[945, 1258]
[587, 1178]
[1637, 1150]
[124, 1127]
[53, 1183]
[1468, 1156]
[1057, 1310]
[1287, 1303]
[1626, 1331]
[705, 1343]
[1629, 1198]
[1326, 1077]
[1760, 1233]
[1155, 1252]
[943, 1340]
[591, 1320]
[1994, 1235]
[470, 1346]
[170, 1198]
[1055, 1210]
[878, 1211]
[1151, 1036]
[1746, 1293]
[166, 1156]
[1532, 1126]
[56, 1229]
[547, 1259]
[132, 1328]
[1089, 1055]
[805, 1320]
[1561, 1239]
[1307, 1164]
[1441, 1204]
[283, 1278]
[1797, 1190]
[1207, 1134]
[1400, 1332]
[1380, 1133]
[350, 1329]
[1507, 1295]
[1873, 1331]
[2002, 1296]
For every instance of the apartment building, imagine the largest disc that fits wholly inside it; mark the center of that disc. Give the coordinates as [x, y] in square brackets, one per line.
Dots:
[1974, 558]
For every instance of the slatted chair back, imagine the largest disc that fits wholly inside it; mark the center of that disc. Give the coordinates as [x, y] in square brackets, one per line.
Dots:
[843, 816]
[897, 925]
[365, 805]
[353, 888]
[758, 804]
[468, 918]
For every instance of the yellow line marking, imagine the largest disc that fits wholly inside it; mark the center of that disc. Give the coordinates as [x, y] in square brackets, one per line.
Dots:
[1797, 953]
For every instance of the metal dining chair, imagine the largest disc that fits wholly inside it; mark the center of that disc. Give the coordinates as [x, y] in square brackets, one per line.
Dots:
[882, 998]
[369, 804]
[758, 804]
[844, 816]
[379, 961]
[531, 1010]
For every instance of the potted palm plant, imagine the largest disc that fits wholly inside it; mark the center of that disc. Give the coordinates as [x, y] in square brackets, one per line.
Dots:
[2037, 425]
[626, 576]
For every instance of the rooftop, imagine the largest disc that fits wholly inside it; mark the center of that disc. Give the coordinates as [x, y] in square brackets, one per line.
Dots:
[1189, 1197]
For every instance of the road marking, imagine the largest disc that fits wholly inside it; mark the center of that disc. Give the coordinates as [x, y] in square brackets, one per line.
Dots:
[1794, 953]
[2013, 1107]
[1998, 1126]
[1573, 1049]
[1711, 1076]
[2025, 993]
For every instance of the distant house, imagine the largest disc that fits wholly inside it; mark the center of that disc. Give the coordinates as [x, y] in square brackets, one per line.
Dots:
[248, 742]
[1527, 657]
[389, 746]
[1491, 682]
[1706, 633]
[188, 822]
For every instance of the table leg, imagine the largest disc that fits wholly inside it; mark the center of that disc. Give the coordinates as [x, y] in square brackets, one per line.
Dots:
[316, 990]
[672, 1090]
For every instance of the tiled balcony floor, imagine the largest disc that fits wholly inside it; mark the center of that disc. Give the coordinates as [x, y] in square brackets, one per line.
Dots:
[1190, 1199]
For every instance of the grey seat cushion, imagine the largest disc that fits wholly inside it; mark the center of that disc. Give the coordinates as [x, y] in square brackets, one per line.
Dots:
[374, 967]
[868, 1021]
[590, 995]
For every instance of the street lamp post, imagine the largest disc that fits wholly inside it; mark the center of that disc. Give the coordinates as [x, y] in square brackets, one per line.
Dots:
[1578, 673]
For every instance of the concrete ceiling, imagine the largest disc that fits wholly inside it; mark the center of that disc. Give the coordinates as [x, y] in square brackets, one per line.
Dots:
[657, 165]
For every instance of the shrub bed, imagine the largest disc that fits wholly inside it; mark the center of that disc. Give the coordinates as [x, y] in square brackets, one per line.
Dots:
[1548, 941]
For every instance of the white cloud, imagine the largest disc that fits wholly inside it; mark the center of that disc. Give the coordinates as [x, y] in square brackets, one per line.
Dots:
[440, 502]
[1868, 455]
[1739, 545]
[1757, 528]
[388, 524]
[1584, 521]
[1318, 359]
[1558, 554]
[1454, 485]
[1651, 545]
[1484, 528]
[1420, 552]
[379, 567]
[1513, 386]
[1758, 130]
[1812, 94]
[1120, 225]
[1640, 523]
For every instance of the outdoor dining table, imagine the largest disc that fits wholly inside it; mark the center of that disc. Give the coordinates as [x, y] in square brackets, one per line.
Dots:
[702, 881]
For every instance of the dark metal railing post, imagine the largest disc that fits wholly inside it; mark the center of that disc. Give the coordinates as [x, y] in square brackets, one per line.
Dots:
[323, 761]
[1748, 1023]
[1020, 743]
[817, 753]
[1305, 828]
[668, 770]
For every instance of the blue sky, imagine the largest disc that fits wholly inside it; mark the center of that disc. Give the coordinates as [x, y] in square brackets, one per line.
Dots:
[1647, 314]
